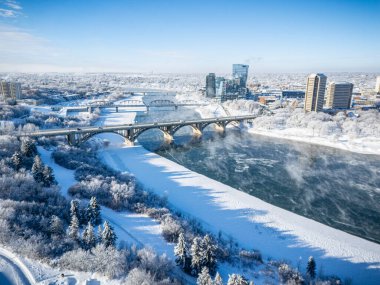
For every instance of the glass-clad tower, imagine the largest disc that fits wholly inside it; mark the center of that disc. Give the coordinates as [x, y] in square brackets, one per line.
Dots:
[240, 71]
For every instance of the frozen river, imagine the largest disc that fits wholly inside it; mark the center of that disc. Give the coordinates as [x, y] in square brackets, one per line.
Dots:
[337, 188]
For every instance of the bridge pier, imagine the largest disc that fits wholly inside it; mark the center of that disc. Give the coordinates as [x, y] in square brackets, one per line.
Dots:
[72, 139]
[197, 133]
[168, 138]
[220, 129]
[117, 109]
[89, 109]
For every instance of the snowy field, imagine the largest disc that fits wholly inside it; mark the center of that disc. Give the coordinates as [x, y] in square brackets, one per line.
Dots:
[368, 145]
[129, 227]
[255, 224]
[252, 222]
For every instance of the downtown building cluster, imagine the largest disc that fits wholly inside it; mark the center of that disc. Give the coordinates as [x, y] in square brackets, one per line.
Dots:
[225, 89]
[10, 90]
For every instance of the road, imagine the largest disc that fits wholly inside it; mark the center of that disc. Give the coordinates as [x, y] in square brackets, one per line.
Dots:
[12, 271]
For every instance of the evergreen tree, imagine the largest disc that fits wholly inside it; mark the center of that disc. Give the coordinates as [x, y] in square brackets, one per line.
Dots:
[56, 226]
[209, 254]
[93, 212]
[16, 160]
[28, 148]
[48, 176]
[218, 279]
[196, 255]
[311, 266]
[37, 169]
[204, 277]
[108, 235]
[89, 239]
[74, 208]
[236, 279]
[74, 228]
[99, 236]
[180, 251]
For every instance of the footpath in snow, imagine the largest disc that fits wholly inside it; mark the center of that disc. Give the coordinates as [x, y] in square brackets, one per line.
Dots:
[252, 222]
[130, 227]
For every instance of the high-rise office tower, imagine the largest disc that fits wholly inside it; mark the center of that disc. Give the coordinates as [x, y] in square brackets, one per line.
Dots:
[240, 71]
[315, 92]
[339, 95]
[377, 88]
[220, 83]
[10, 90]
[210, 85]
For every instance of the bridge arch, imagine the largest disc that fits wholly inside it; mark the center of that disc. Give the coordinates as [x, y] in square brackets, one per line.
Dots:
[218, 127]
[87, 136]
[230, 122]
[196, 132]
[167, 135]
[161, 102]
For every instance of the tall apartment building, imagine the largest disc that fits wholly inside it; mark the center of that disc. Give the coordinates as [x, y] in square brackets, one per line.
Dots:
[377, 88]
[339, 95]
[10, 90]
[240, 71]
[315, 92]
[210, 85]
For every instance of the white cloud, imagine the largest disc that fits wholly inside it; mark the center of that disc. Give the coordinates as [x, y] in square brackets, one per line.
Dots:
[13, 5]
[10, 9]
[16, 41]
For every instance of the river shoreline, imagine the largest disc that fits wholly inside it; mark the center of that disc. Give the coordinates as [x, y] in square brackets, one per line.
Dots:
[366, 145]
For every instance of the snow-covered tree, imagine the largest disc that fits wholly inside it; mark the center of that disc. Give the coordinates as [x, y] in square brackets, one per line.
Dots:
[93, 212]
[311, 266]
[89, 239]
[74, 227]
[108, 235]
[37, 169]
[218, 279]
[99, 235]
[28, 148]
[204, 277]
[16, 160]
[236, 279]
[48, 176]
[196, 255]
[56, 226]
[209, 254]
[74, 208]
[139, 276]
[180, 251]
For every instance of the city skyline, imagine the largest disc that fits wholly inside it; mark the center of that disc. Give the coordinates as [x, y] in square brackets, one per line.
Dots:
[189, 37]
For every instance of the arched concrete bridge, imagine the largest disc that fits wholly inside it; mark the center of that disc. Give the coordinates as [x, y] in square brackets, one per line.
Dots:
[131, 131]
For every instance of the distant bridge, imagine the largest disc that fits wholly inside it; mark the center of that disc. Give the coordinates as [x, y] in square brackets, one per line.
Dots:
[131, 131]
[134, 104]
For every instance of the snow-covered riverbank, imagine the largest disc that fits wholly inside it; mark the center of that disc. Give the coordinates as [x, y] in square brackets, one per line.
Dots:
[355, 134]
[368, 145]
[252, 222]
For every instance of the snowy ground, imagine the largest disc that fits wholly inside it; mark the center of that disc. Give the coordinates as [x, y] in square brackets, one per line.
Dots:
[252, 222]
[12, 270]
[365, 145]
[129, 227]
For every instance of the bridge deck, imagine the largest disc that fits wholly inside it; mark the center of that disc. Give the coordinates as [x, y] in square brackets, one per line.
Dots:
[86, 130]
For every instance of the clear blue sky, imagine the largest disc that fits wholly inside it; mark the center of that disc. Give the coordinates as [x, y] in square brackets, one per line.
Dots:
[189, 35]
